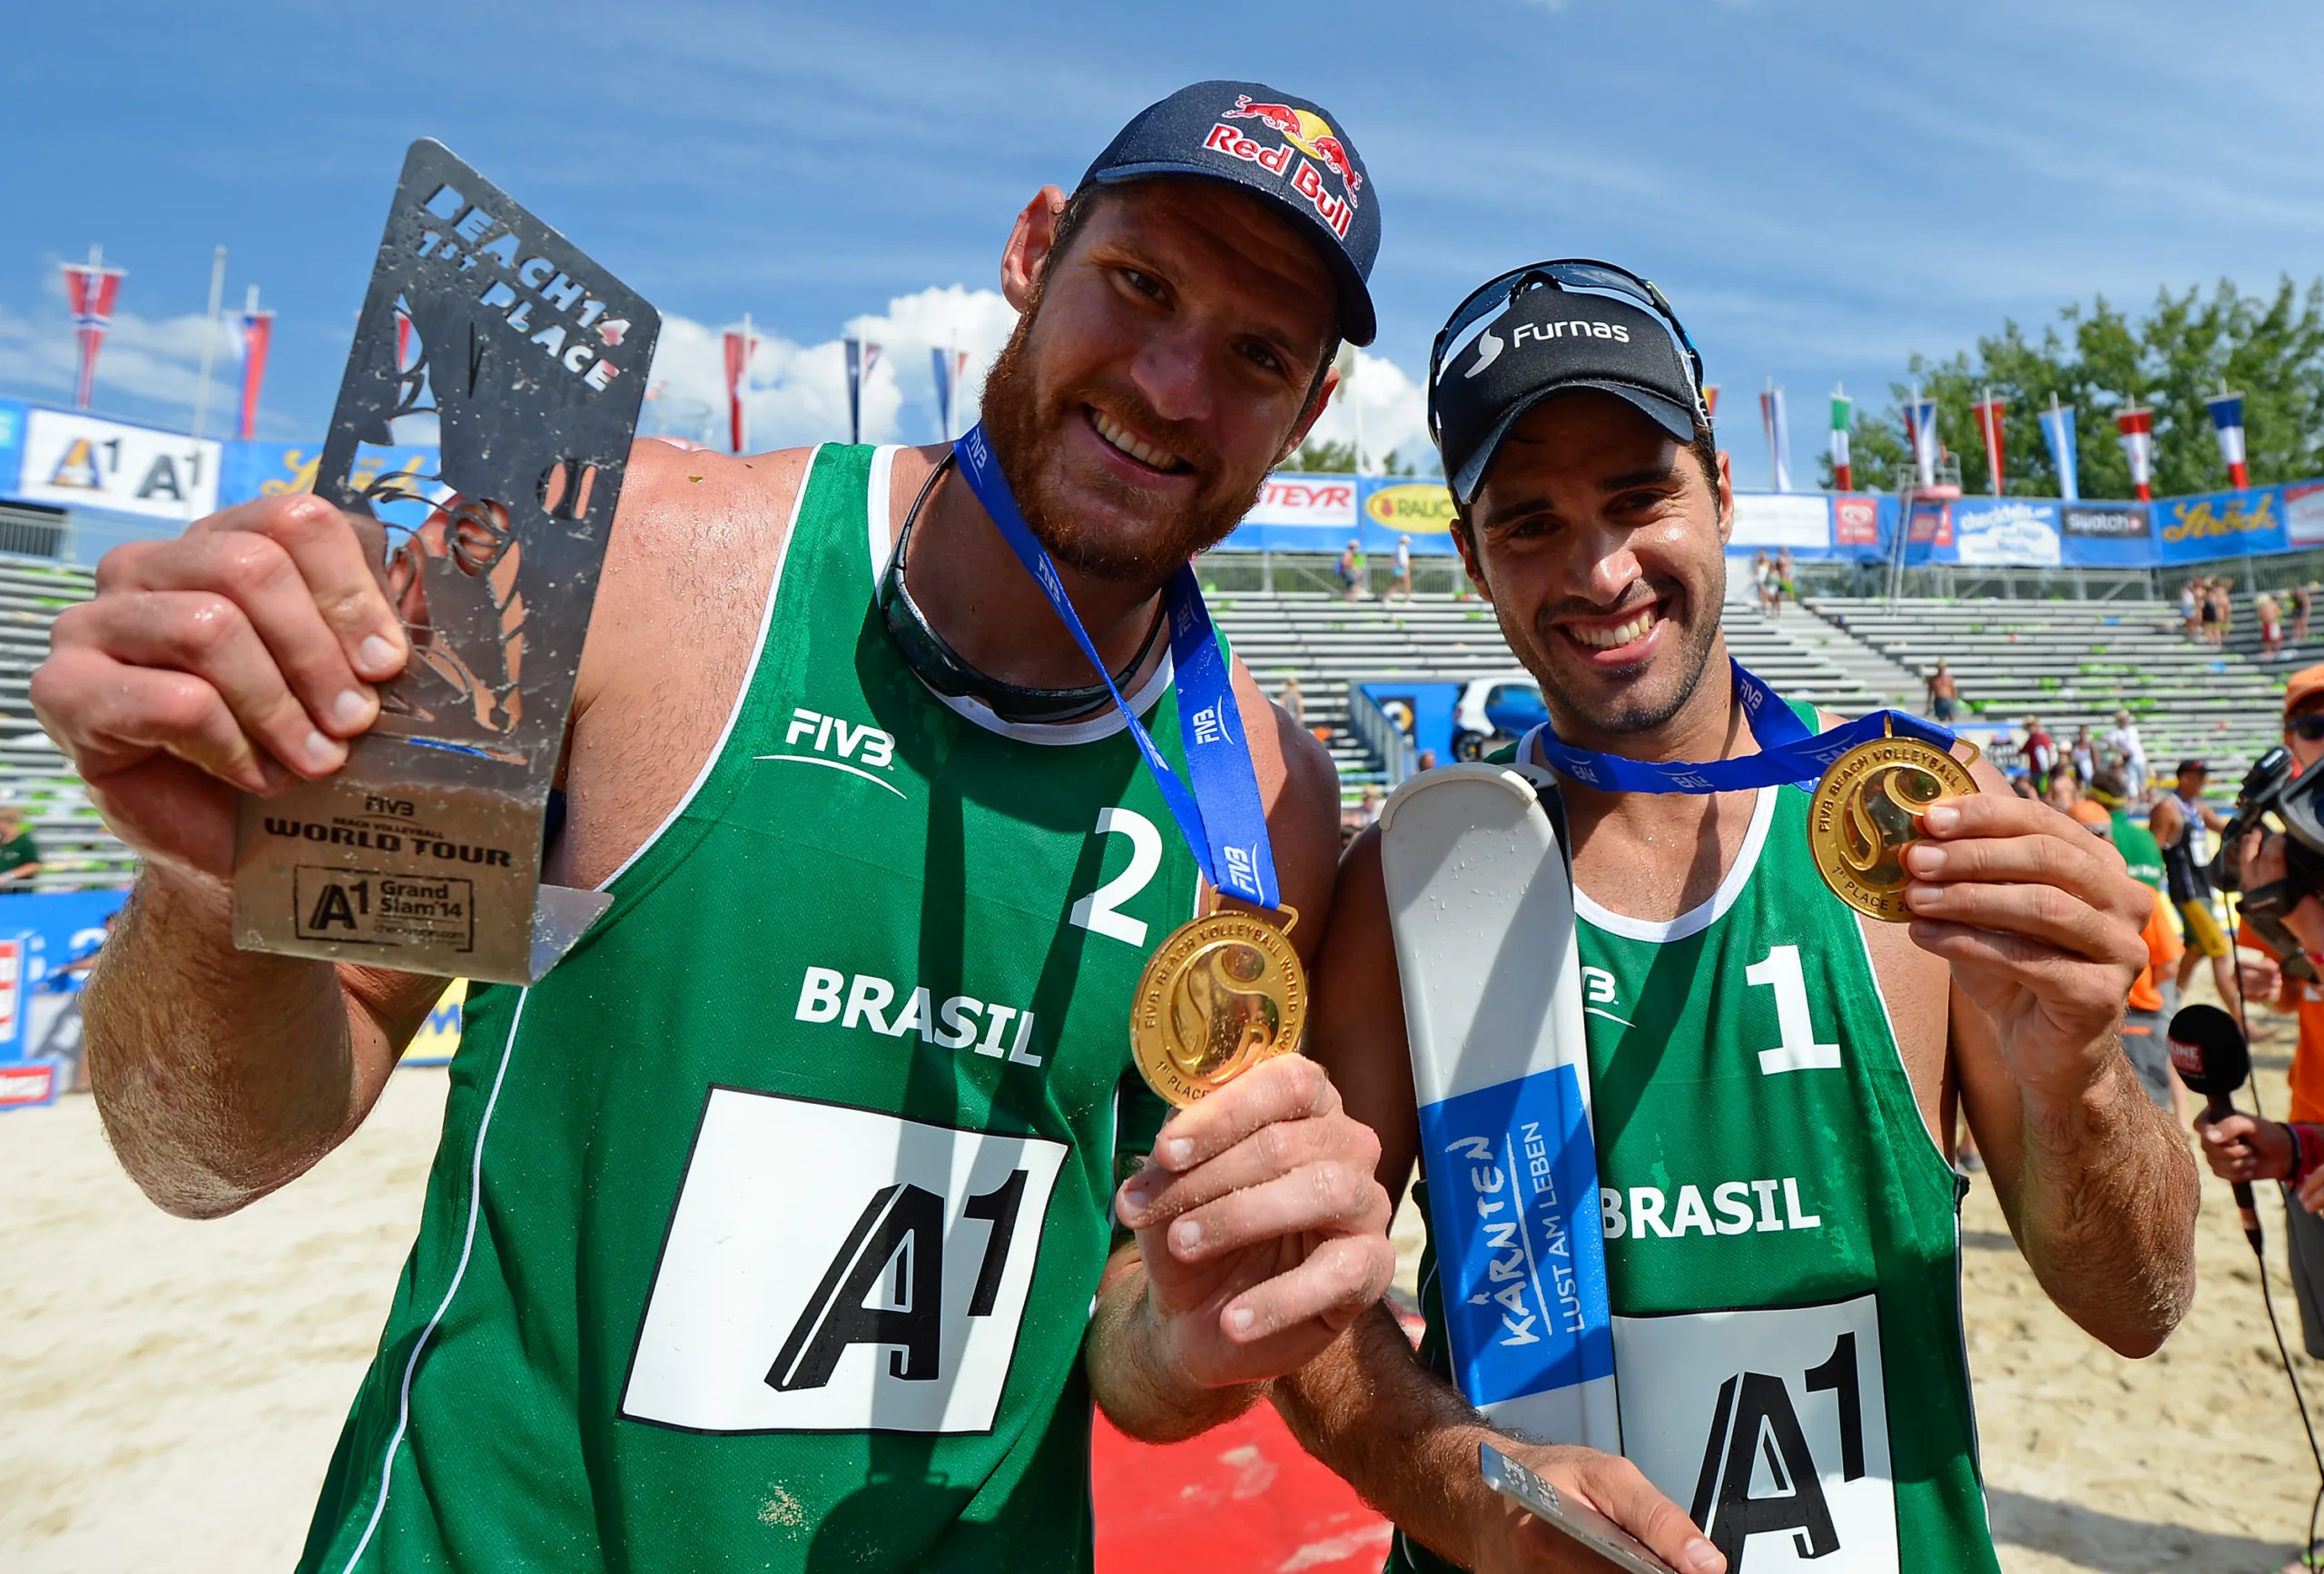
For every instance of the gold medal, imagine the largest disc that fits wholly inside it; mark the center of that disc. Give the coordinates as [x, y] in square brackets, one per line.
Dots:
[1221, 994]
[1867, 809]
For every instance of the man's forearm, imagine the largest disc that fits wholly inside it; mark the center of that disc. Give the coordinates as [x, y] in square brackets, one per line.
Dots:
[220, 1073]
[1128, 1379]
[1406, 1442]
[2105, 1211]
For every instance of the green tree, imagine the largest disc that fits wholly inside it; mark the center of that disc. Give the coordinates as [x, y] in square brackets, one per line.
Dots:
[1332, 458]
[2270, 348]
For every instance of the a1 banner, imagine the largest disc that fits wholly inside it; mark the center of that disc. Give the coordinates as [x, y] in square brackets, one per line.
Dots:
[77, 461]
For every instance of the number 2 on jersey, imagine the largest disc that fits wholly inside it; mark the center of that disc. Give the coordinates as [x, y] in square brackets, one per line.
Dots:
[1100, 912]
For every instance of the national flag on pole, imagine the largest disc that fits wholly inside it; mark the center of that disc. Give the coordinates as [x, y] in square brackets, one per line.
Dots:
[1777, 427]
[1843, 416]
[90, 289]
[2227, 420]
[949, 365]
[2057, 433]
[2136, 425]
[258, 337]
[1990, 428]
[1710, 401]
[861, 357]
[1920, 431]
[739, 346]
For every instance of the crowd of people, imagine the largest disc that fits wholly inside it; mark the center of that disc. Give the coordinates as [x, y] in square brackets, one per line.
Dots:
[2207, 613]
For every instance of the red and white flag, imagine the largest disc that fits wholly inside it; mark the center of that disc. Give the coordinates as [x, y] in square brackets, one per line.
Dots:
[258, 337]
[739, 346]
[89, 289]
[2136, 425]
[1990, 425]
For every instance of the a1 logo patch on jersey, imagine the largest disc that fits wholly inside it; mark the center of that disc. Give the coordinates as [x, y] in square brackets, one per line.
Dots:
[840, 1270]
[1769, 1427]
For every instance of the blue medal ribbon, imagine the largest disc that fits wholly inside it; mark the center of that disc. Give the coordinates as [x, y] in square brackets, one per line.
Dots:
[1220, 814]
[1786, 750]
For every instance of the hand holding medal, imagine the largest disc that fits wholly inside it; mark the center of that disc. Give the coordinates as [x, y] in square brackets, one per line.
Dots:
[1867, 809]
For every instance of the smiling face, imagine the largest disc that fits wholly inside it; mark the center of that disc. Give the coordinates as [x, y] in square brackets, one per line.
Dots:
[1164, 365]
[1601, 546]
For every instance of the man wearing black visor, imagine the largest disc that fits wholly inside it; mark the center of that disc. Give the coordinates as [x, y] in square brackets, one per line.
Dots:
[1774, 1343]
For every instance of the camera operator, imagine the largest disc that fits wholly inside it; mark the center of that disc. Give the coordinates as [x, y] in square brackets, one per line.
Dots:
[2240, 1148]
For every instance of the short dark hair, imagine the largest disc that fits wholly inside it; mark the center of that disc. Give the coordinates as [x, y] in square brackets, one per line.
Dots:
[1704, 446]
[1084, 202]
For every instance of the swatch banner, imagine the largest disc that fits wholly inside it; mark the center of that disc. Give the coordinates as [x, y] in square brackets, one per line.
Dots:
[2221, 525]
[2007, 532]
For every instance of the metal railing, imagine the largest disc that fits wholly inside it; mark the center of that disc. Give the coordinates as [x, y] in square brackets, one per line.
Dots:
[1369, 726]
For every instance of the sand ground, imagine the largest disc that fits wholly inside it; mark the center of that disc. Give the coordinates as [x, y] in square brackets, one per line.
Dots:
[169, 1392]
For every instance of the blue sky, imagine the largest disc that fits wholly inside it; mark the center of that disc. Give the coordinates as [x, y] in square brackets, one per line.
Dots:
[1821, 188]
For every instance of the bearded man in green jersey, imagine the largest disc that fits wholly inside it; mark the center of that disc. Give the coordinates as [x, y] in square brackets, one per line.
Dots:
[1790, 1368]
[771, 1229]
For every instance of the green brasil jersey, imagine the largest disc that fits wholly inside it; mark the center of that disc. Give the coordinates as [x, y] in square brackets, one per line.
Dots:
[764, 1230]
[2136, 844]
[1782, 1244]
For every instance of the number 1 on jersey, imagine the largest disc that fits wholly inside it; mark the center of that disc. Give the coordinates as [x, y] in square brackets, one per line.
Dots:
[1779, 969]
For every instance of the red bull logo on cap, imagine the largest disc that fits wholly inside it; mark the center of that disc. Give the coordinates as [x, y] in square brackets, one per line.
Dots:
[1305, 131]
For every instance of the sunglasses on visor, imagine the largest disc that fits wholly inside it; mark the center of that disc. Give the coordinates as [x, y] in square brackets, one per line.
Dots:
[1495, 296]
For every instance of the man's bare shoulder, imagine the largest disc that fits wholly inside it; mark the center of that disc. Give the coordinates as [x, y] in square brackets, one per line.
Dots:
[684, 502]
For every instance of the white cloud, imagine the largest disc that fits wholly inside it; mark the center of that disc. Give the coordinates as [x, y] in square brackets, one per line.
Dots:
[1396, 414]
[150, 362]
[798, 393]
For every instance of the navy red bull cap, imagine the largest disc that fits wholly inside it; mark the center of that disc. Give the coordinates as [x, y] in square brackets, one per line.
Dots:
[1287, 150]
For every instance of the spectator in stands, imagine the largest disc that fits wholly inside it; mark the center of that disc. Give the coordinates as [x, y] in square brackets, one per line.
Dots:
[2123, 738]
[2206, 594]
[1763, 581]
[2083, 756]
[1374, 799]
[2188, 613]
[2271, 625]
[1427, 761]
[2040, 751]
[19, 857]
[1785, 585]
[1293, 703]
[1404, 567]
[2064, 789]
[1944, 693]
[2183, 824]
[2303, 602]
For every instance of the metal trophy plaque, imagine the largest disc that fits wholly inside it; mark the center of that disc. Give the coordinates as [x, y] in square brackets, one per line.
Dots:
[423, 852]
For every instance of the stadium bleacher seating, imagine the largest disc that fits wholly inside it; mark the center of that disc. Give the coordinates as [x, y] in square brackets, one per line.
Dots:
[1328, 642]
[2074, 663]
[77, 853]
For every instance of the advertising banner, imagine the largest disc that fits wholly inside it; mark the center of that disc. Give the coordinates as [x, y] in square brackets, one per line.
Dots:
[254, 470]
[2016, 532]
[12, 443]
[2107, 534]
[1799, 520]
[1420, 509]
[2220, 525]
[2303, 513]
[1856, 522]
[73, 460]
[1327, 501]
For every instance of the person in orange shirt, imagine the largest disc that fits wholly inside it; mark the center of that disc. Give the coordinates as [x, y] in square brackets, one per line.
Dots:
[2144, 1040]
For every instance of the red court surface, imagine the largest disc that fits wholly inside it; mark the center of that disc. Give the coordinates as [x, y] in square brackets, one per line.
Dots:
[1243, 1499]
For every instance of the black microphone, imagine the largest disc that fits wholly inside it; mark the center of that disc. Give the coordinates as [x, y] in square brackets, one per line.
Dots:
[2209, 1052]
